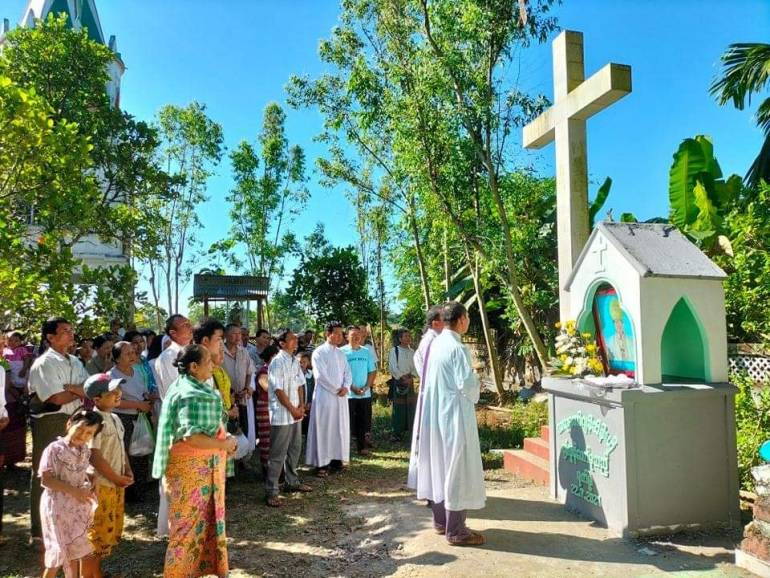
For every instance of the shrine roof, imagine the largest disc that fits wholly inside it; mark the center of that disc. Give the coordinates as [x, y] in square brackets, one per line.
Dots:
[655, 250]
[229, 287]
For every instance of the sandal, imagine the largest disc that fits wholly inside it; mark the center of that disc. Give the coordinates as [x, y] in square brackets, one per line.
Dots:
[274, 501]
[473, 539]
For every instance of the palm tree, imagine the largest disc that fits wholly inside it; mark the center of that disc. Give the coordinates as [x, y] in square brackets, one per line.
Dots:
[745, 72]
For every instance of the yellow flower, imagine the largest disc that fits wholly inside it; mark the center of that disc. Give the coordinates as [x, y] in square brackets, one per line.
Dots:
[557, 325]
[590, 348]
[571, 324]
[563, 357]
[595, 365]
[585, 335]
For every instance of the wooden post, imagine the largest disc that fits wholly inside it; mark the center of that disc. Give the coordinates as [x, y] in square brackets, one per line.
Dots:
[205, 306]
[260, 314]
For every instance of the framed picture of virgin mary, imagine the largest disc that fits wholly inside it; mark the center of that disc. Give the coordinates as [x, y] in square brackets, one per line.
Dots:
[614, 333]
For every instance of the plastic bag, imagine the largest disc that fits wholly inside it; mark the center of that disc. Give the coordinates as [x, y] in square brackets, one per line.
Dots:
[244, 447]
[142, 440]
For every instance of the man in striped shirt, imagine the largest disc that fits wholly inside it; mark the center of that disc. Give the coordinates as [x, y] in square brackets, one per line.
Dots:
[286, 401]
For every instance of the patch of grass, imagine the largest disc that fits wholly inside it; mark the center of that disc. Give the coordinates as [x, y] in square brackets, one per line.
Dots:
[524, 420]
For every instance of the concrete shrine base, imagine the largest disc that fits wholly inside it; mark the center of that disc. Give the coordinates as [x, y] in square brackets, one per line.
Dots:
[644, 460]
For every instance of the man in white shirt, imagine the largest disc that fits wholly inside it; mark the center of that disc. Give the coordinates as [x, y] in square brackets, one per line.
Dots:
[286, 402]
[402, 372]
[449, 470]
[250, 348]
[240, 368]
[435, 324]
[56, 383]
[328, 437]
[179, 333]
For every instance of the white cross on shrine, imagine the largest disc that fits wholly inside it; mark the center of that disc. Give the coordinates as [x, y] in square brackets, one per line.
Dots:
[599, 250]
[575, 101]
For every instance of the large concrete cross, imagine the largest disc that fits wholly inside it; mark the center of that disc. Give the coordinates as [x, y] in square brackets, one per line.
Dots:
[575, 100]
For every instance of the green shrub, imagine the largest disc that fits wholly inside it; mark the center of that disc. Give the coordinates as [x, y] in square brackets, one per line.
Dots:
[526, 419]
[752, 422]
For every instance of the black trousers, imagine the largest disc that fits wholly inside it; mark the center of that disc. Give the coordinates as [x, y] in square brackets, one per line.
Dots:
[140, 465]
[360, 419]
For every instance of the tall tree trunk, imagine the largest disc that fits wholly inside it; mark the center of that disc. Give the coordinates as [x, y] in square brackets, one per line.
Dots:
[446, 263]
[155, 294]
[412, 218]
[494, 361]
[513, 281]
[381, 291]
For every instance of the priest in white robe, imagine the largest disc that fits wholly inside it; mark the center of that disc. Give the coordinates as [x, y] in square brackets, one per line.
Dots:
[328, 434]
[449, 470]
[421, 357]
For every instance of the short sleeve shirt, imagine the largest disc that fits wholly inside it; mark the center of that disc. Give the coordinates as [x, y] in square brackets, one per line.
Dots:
[50, 373]
[109, 442]
[284, 373]
[238, 367]
[133, 389]
[361, 365]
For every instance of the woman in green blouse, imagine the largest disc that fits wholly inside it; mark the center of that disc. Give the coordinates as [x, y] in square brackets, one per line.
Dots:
[190, 456]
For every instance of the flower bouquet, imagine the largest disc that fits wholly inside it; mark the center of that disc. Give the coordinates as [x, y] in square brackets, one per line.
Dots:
[576, 355]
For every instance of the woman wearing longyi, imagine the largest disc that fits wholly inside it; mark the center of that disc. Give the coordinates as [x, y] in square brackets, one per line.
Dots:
[191, 452]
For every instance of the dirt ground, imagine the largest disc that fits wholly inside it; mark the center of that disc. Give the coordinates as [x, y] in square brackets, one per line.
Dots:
[364, 522]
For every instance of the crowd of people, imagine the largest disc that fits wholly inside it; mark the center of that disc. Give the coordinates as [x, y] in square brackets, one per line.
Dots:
[200, 404]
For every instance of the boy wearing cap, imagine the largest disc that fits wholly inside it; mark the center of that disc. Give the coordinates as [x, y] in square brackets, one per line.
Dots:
[112, 472]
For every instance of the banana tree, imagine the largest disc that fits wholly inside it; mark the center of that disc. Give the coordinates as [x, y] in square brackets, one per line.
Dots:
[699, 196]
[598, 202]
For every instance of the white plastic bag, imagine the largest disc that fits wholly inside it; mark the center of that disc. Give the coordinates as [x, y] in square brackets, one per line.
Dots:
[142, 440]
[244, 447]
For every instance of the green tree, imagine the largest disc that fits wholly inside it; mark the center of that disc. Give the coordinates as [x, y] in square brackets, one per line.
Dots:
[746, 72]
[329, 283]
[68, 72]
[191, 145]
[269, 191]
[747, 289]
[430, 77]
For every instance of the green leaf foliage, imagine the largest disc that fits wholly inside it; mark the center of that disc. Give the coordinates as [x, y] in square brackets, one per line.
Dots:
[598, 202]
[330, 284]
[699, 197]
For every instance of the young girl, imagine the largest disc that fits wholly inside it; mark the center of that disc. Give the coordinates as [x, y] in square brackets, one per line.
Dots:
[304, 359]
[68, 501]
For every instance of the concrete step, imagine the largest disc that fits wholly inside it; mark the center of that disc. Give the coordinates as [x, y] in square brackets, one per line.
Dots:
[545, 433]
[526, 466]
[538, 447]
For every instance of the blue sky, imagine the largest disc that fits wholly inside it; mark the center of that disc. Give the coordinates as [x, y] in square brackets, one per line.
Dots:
[236, 57]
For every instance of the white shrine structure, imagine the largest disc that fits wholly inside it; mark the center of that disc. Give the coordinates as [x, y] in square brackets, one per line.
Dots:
[657, 451]
[93, 251]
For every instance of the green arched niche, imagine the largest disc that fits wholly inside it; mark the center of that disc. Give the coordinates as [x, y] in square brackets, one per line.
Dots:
[683, 346]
